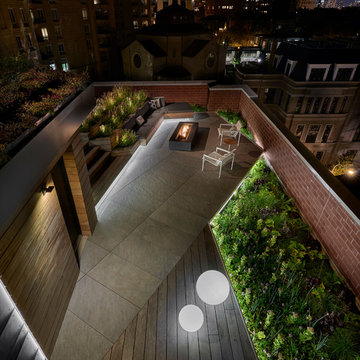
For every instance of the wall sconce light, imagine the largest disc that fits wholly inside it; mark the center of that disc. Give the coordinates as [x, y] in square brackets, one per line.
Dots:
[46, 189]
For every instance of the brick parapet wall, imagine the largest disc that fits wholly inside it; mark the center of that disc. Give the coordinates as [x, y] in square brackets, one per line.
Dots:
[179, 92]
[334, 224]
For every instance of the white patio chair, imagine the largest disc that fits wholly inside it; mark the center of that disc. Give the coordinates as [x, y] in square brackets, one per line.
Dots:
[219, 158]
[230, 130]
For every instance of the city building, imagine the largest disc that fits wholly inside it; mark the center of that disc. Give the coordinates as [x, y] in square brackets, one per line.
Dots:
[174, 48]
[17, 34]
[81, 35]
[315, 92]
[306, 4]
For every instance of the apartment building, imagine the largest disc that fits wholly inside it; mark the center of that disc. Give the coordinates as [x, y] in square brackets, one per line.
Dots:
[315, 92]
[77, 35]
[17, 30]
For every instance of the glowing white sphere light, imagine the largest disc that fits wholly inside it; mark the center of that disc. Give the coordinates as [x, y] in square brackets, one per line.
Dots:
[191, 318]
[212, 287]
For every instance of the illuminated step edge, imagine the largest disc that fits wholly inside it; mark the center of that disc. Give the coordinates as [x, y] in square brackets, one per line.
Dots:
[16, 339]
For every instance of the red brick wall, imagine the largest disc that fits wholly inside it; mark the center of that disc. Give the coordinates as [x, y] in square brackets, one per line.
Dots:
[193, 94]
[224, 100]
[335, 227]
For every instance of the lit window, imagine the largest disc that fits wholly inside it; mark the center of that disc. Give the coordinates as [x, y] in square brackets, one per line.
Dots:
[84, 14]
[136, 24]
[44, 33]
[52, 65]
[64, 65]
[32, 15]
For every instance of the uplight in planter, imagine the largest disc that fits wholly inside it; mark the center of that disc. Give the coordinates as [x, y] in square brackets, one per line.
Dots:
[212, 287]
[191, 318]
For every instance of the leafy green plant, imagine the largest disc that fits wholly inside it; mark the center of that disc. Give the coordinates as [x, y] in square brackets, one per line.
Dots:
[198, 108]
[233, 118]
[293, 304]
[126, 138]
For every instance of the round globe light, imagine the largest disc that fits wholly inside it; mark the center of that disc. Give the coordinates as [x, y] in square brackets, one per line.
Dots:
[212, 287]
[191, 318]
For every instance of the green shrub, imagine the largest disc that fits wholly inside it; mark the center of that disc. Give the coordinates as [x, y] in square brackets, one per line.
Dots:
[233, 118]
[127, 138]
[198, 108]
[293, 303]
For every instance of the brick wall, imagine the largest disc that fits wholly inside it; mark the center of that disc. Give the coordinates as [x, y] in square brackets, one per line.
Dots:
[193, 94]
[335, 225]
[224, 100]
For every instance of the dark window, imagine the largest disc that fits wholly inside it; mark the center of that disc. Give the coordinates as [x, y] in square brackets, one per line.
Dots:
[312, 133]
[333, 105]
[317, 74]
[210, 60]
[48, 50]
[280, 97]
[12, 16]
[316, 106]
[137, 60]
[28, 39]
[103, 56]
[325, 105]
[287, 71]
[299, 104]
[299, 131]
[61, 49]
[88, 44]
[319, 155]
[356, 137]
[58, 32]
[308, 104]
[23, 17]
[343, 74]
[269, 96]
[326, 133]
[287, 103]
[342, 107]
[55, 15]
[18, 41]
[275, 62]
[87, 29]
[41, 15]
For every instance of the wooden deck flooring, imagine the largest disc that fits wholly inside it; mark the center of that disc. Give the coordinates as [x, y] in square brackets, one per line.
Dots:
[155, 333]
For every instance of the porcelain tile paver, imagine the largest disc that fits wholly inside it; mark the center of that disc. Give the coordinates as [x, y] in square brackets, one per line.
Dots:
[126, 279]
[89, 295]
[90, 345]
[147, 219]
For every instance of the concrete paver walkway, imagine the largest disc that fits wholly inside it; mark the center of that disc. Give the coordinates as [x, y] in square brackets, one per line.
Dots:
[148, 218]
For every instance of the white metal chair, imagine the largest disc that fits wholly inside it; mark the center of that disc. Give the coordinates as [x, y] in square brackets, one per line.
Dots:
[219, 158]
[230, 130]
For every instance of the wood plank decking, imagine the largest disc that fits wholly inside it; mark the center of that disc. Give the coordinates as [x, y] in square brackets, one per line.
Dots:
[155, 332]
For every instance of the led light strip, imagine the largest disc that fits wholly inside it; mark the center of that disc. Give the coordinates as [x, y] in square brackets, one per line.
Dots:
[10, 300]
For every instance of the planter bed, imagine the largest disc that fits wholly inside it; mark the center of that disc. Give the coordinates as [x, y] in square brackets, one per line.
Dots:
[295, 305]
